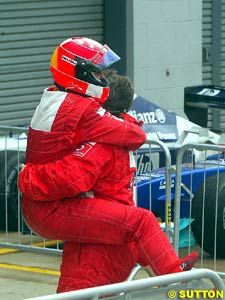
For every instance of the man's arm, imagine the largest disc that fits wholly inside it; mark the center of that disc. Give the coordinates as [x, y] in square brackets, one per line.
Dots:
[68, 177]
[100, 126]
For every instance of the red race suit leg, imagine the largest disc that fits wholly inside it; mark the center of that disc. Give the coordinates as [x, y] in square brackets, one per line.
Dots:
[85, 265]
[98, 221]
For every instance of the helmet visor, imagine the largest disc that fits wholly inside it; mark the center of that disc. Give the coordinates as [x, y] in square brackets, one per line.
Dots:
[105, 58]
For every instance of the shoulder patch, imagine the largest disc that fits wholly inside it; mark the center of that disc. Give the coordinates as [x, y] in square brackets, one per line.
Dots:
[83, 149]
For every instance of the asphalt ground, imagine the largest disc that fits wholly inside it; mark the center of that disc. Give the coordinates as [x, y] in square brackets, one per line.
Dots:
[26, 274]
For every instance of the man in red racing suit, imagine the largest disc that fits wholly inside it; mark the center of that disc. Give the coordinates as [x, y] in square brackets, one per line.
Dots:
[71, 112]
[116, 261]
[105, 172]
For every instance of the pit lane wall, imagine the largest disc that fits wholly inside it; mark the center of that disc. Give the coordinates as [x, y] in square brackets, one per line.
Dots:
[189, 190]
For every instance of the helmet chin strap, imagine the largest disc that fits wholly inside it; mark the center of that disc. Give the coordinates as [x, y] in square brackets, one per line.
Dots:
[96, 92]
[70, 84]
[99, 93]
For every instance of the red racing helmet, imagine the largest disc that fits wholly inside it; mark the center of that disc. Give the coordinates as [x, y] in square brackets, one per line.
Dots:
[76, 65]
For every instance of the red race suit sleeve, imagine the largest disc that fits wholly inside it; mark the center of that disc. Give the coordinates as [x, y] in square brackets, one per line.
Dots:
[100, 126]
[68, 177]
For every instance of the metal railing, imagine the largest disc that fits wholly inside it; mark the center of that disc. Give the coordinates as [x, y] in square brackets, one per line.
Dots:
[13, 231]
[156, 146]
[202, 187]
[146, 288]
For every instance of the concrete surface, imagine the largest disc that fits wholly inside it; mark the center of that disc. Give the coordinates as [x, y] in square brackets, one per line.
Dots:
[25, 274]
[19, 283]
